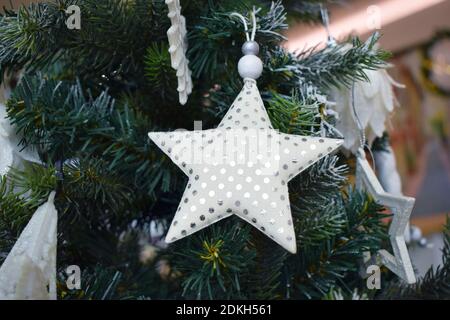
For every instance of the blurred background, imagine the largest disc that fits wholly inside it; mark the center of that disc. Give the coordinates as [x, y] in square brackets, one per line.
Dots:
[417, 32]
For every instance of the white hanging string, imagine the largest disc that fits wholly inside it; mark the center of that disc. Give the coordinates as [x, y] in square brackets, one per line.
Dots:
[254, 24]
[326, 23]
[248, 82]
[362, 134]
[362, 141]
[244, 22]
[330, 42]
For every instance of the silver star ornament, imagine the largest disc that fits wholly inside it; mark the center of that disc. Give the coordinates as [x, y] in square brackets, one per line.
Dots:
[243, 167]
[401, 208]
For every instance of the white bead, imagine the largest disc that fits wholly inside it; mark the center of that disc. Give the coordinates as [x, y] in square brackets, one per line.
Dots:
[250, 66]
[250, 47]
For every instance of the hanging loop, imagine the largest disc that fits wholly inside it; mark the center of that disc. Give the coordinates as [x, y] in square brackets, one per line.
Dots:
[254, 24]
[362, 138]
[244, 22]
[250, 65]
[362, 132]
[248, 37]
[326, 22]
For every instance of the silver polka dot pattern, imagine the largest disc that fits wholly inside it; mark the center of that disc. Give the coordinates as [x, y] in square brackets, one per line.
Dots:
[240, 168]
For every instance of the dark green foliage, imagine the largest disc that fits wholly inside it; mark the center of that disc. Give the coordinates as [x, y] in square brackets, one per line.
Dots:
[331, 253]
[14, 214]
[89, 98]
[108, 50]
[213, 48]
[159, 72]
[322, 181]
[119, 272]
[61, 115]
[264, 280]
[214, 262]
[292, 116]
[20, 195]
[66, 124]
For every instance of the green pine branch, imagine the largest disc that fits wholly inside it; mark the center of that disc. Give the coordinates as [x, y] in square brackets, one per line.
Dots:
[335, 261]
[212, 261]
[342, 64]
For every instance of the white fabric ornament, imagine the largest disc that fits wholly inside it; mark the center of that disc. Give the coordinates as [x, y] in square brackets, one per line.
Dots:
[11, 154]
[401, 208]
[29, 271]
[178, 47]
[374, 101]
[242, 167]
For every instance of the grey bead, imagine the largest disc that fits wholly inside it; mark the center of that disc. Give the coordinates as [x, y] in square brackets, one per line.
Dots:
[250, 47]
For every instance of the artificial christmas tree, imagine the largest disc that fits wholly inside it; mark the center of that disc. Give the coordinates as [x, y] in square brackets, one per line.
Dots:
[88, 99]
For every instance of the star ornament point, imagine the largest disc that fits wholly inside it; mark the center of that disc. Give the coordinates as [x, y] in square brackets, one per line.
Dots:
[401, 206]
[241, 168]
